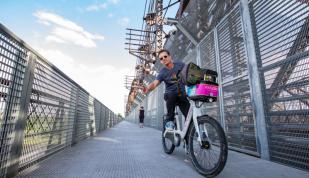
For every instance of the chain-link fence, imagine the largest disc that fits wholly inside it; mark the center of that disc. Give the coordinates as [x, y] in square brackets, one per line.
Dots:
[42, 110]
[261, 52]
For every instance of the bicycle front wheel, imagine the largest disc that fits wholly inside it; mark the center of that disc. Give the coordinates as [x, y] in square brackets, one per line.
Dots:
[208, 158]
[168, 143]
[168, 140]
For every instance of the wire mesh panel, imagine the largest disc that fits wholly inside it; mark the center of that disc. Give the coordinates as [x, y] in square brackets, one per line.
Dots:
[239, 120]
[92, 123]
[178, 45]
[83, 124]
[50, 114]
[208, 61]
[104, 117]
[208, 53]
[49, 105]
[191, 57]
[13, 61]
[151, 113]
[112, 119]
[97, 114]
[108, 114]
[283, 37]
[135, 116]
[201, 16]
[161, 106]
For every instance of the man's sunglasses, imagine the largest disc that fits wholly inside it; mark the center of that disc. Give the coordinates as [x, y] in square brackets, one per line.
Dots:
[161, 58]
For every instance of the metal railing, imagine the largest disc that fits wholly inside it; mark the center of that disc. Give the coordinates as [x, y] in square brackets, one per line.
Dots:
[42, 110]
[261, 52]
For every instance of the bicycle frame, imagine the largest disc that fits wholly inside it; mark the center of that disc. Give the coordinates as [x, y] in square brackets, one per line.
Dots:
[193, 111]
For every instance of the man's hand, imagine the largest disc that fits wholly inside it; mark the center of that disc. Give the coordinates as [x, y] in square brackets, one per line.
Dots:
[145, 90]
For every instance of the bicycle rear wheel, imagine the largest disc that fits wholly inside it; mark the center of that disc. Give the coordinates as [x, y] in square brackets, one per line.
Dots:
[209, 158]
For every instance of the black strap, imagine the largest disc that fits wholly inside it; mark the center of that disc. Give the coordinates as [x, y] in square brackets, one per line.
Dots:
[178, 83]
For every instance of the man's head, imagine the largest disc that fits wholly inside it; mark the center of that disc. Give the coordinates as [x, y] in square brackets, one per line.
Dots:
[142, 107]
[165, 57]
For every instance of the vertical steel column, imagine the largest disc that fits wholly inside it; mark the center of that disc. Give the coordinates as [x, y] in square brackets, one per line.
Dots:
[198, 55]
[218, 65]
[254, 80]
[21, 119]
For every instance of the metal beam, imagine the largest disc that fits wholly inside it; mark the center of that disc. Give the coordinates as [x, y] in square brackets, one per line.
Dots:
[171, 21]
[218, 65]
[254, 80]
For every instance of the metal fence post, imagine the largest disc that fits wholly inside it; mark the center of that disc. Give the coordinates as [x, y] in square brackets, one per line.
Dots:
[254, 81]
[21, 119]
[218, 65]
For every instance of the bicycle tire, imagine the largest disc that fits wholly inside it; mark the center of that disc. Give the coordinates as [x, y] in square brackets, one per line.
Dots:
[167, 149]
[220, 163]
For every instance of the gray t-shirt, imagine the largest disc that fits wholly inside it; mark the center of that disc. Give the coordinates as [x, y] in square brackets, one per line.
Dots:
[170, 79]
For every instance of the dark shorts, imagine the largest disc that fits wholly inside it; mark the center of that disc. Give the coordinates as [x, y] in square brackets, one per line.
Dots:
[141, 120]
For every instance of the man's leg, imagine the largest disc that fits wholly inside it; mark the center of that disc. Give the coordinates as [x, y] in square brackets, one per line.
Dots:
[184, 105]
[170, 106]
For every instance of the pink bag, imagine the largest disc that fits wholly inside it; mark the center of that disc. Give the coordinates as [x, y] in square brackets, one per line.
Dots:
[203, 92]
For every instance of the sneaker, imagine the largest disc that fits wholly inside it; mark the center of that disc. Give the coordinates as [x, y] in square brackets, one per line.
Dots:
[169, 125]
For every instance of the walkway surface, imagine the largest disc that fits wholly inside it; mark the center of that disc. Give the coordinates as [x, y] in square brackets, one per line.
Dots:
[129, 151]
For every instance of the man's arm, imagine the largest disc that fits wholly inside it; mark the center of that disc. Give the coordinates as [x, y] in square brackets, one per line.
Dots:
[151, 86]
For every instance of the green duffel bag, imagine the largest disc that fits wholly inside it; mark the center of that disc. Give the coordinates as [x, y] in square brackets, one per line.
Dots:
[192, 74]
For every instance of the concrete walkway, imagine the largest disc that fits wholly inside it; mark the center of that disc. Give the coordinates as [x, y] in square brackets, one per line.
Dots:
[128, 151]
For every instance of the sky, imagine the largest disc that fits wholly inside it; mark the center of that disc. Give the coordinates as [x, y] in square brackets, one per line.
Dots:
[83, 38]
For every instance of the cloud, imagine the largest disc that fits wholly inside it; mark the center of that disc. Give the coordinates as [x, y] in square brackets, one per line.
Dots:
[124, 21]
[105, 82]
[66, 31]
[113, 1]
[96, 7]
[110, 15]
[51, 38]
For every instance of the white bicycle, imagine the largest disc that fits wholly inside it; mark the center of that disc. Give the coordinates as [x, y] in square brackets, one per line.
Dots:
[205, 138]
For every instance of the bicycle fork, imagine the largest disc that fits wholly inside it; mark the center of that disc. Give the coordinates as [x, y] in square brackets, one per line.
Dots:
[197, 112]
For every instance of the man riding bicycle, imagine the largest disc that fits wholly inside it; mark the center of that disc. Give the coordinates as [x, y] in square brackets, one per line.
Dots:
[208, 152]
[175, 94]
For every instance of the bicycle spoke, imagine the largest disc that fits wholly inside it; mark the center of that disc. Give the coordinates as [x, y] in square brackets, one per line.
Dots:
[207, 158]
